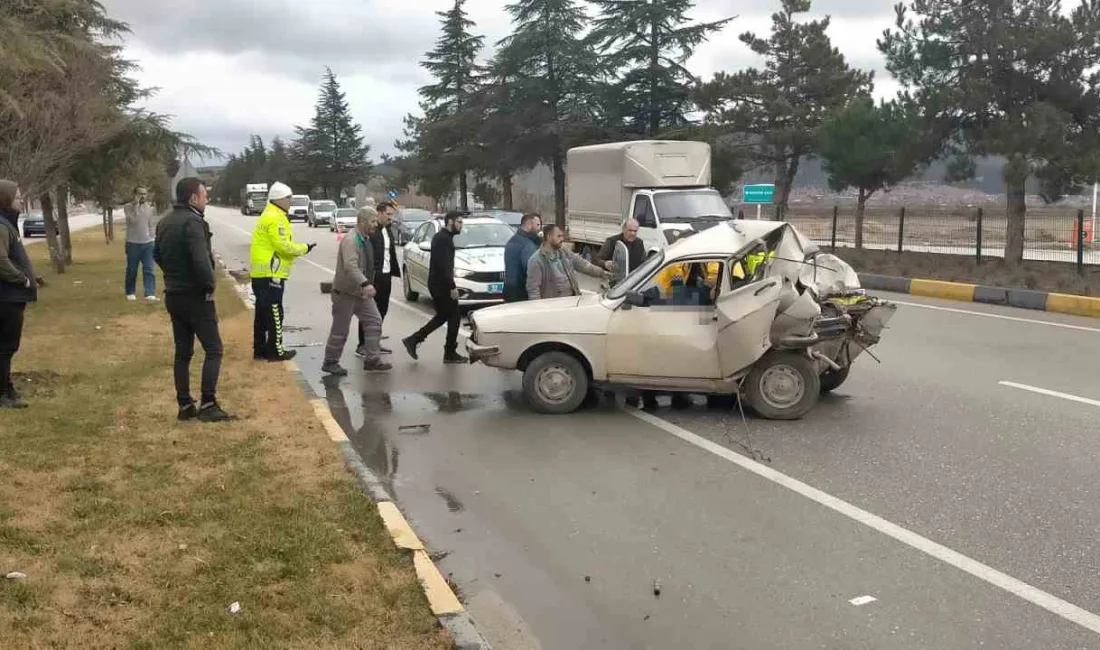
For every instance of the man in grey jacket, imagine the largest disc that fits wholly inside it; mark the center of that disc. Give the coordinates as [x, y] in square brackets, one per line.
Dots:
[552, 270]
[141, 232]
[353, 293]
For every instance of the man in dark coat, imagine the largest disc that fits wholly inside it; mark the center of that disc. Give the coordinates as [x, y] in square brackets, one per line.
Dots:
[634, 246]
[18, 286]
[517, 252]
[441, 285]
[183, 253]
[386, 265]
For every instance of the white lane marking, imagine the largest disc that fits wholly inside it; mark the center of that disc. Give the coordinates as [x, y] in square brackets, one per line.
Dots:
[1017, 319]
[1051, 393]
[1021, 589]
[862, 600]
[464, 332]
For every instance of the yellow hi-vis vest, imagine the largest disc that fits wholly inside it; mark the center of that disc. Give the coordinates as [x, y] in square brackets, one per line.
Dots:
[273, 247]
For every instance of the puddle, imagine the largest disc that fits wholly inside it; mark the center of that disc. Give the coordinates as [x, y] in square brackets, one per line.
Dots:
[453, 504]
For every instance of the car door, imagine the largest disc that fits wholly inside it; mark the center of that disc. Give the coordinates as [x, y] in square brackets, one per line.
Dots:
[675, 334]
[745, 312]
[421, 258]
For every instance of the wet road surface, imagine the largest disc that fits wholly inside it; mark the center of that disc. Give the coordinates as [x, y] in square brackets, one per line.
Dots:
[602, 530]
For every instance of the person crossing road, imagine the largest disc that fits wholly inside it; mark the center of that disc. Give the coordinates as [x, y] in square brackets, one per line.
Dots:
[272, 255]
[441, 286]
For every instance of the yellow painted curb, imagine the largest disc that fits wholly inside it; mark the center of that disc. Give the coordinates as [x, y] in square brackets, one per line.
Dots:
[941, 289]
[400, 530]
[320, 409]
[440, 597]
[1077, 305]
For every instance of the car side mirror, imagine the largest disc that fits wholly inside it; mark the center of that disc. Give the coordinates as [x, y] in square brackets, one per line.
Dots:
[425, 246]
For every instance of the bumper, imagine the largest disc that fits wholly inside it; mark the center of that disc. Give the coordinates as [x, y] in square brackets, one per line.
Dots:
[479, 293]
[298, 215]
[481, 352]
[34, 229]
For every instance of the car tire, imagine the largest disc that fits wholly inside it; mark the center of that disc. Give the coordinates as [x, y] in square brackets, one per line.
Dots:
[782, 385]
[406, 284]
[555, 383]
[832, 379]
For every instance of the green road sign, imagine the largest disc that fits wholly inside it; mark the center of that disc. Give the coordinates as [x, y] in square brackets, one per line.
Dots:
[762, 193]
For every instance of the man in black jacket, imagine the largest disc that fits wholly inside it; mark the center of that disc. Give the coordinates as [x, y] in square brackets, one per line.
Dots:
[441, 285]
[183, 253]
[18, 286]
[635, 247]
[386, 266]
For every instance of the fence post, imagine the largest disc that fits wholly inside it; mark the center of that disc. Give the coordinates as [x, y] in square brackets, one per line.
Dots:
[836, 214]
[978, 239]
[1080, 242]
[740, 214]
[901, 229]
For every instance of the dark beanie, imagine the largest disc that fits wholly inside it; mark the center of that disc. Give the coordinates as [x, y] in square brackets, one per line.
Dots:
[7, 195]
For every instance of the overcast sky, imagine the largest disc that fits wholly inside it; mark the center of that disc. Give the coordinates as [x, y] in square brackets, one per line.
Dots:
[228, 68]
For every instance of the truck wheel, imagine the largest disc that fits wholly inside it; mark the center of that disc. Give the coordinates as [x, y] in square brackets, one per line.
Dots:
[555, 383]
[782, 386]
[406, 284]
[832, 379]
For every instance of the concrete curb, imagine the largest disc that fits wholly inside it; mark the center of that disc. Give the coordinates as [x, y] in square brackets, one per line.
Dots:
[445, 605]
[1020, 298]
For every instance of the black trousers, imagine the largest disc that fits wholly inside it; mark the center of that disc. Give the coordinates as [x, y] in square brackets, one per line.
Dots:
[446, 313]
[11, 333]
[384, 287]
[193, 316]
[267, 324]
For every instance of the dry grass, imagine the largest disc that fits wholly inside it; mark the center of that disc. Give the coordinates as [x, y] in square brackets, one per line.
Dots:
[136, 531]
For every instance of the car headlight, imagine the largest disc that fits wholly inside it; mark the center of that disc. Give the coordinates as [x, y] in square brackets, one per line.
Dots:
[463, 273]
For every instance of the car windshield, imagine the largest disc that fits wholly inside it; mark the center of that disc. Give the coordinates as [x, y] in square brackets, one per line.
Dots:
[299, 201]
[33, 216]
[483, 235]
[413, 216]
[510, 218]
[257, 195]
[346, 213]
[637, 275]
[690, 206]
[324, 206]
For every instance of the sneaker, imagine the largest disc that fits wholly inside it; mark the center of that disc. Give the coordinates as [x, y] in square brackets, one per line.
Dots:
[454, 357]
[131, 298]
[12, 400]
[334, 368]
[152, 299]
[377, 365]
[287, 355]
[189, 412]
[211, 412]
[361, 353]
[410, 347]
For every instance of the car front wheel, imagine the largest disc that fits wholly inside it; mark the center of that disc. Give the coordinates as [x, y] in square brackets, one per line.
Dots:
[783, 386]
[555, 383]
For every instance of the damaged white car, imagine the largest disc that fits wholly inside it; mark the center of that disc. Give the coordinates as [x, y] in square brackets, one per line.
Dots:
[749, 309]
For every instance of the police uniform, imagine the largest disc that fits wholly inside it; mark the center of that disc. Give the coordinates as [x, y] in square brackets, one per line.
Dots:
[272, 256]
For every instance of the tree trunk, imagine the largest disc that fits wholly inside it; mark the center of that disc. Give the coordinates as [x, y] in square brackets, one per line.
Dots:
[861, 204]
[53, 242]
[110, 224]
[463, 191]
[63, 222]
[106, 234]
[558, 164]
[506, 190]
[785, 171]
[1015, 175]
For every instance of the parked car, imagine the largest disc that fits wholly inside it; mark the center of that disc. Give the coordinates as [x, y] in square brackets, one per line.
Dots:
[406, 221]
[34, 224]
[479, 260]
[299, 207]
[320, 212]
[757, 313]
[507, 216]
[343, 219]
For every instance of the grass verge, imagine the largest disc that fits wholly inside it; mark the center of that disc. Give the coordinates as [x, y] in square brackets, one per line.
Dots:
[136, 531]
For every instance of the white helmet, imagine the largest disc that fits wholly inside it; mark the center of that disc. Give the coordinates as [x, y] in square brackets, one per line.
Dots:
[279, 191]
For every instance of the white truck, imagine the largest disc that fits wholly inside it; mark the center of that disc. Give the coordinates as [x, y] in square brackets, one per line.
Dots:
[253, 198]
[664, 184]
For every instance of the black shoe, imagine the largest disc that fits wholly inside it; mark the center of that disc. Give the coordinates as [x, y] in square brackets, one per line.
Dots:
[287, 355]
[410, 347]
[12, 400]
[189, 412]
[454, 357]
[213, 413]
[334, 368]
[377, 365]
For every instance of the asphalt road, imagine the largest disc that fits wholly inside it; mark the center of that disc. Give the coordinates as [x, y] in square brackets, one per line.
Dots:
[965, 507]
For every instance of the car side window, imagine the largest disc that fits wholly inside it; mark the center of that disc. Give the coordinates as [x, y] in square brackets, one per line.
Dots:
[692, 283]
[419, 236]
[643, 212]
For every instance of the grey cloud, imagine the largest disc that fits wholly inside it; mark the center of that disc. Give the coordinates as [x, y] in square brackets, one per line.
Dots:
[847, 8]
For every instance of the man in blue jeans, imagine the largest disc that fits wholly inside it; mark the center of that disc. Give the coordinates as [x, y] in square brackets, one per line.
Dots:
[140, 233]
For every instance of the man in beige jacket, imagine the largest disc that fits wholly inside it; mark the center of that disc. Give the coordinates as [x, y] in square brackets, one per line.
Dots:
[353, 294]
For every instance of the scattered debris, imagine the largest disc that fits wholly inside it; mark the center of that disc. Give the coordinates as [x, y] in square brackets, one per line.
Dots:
[862, 600]
[588, 578]
[458, 530]
[183, 547]
[646, 617]
[16, 575]
[497, 574]
[407, 428]
[657, 587]
[439, 556]
[234, 607]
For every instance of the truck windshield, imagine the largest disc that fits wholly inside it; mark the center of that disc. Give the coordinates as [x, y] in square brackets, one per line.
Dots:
[303, 201]
[690, 205]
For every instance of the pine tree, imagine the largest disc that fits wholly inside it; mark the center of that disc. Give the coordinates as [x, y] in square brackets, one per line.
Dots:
[446, 137]
[781, 108]
[277, 167]
[330, 151]
[648, 44]
[1014, 79]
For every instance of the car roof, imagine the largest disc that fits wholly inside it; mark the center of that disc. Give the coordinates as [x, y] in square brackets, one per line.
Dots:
[474, 220]
[725, 238]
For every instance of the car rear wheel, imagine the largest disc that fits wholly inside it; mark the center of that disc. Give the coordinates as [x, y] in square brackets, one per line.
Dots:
[555, 383]
[406, 284]
[783, 386]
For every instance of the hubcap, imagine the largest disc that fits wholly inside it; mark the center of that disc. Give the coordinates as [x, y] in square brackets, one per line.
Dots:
[782, 386]
[555, 383]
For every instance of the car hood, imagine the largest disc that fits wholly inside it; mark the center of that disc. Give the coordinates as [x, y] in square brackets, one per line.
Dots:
[480, 259]
[566, 315]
